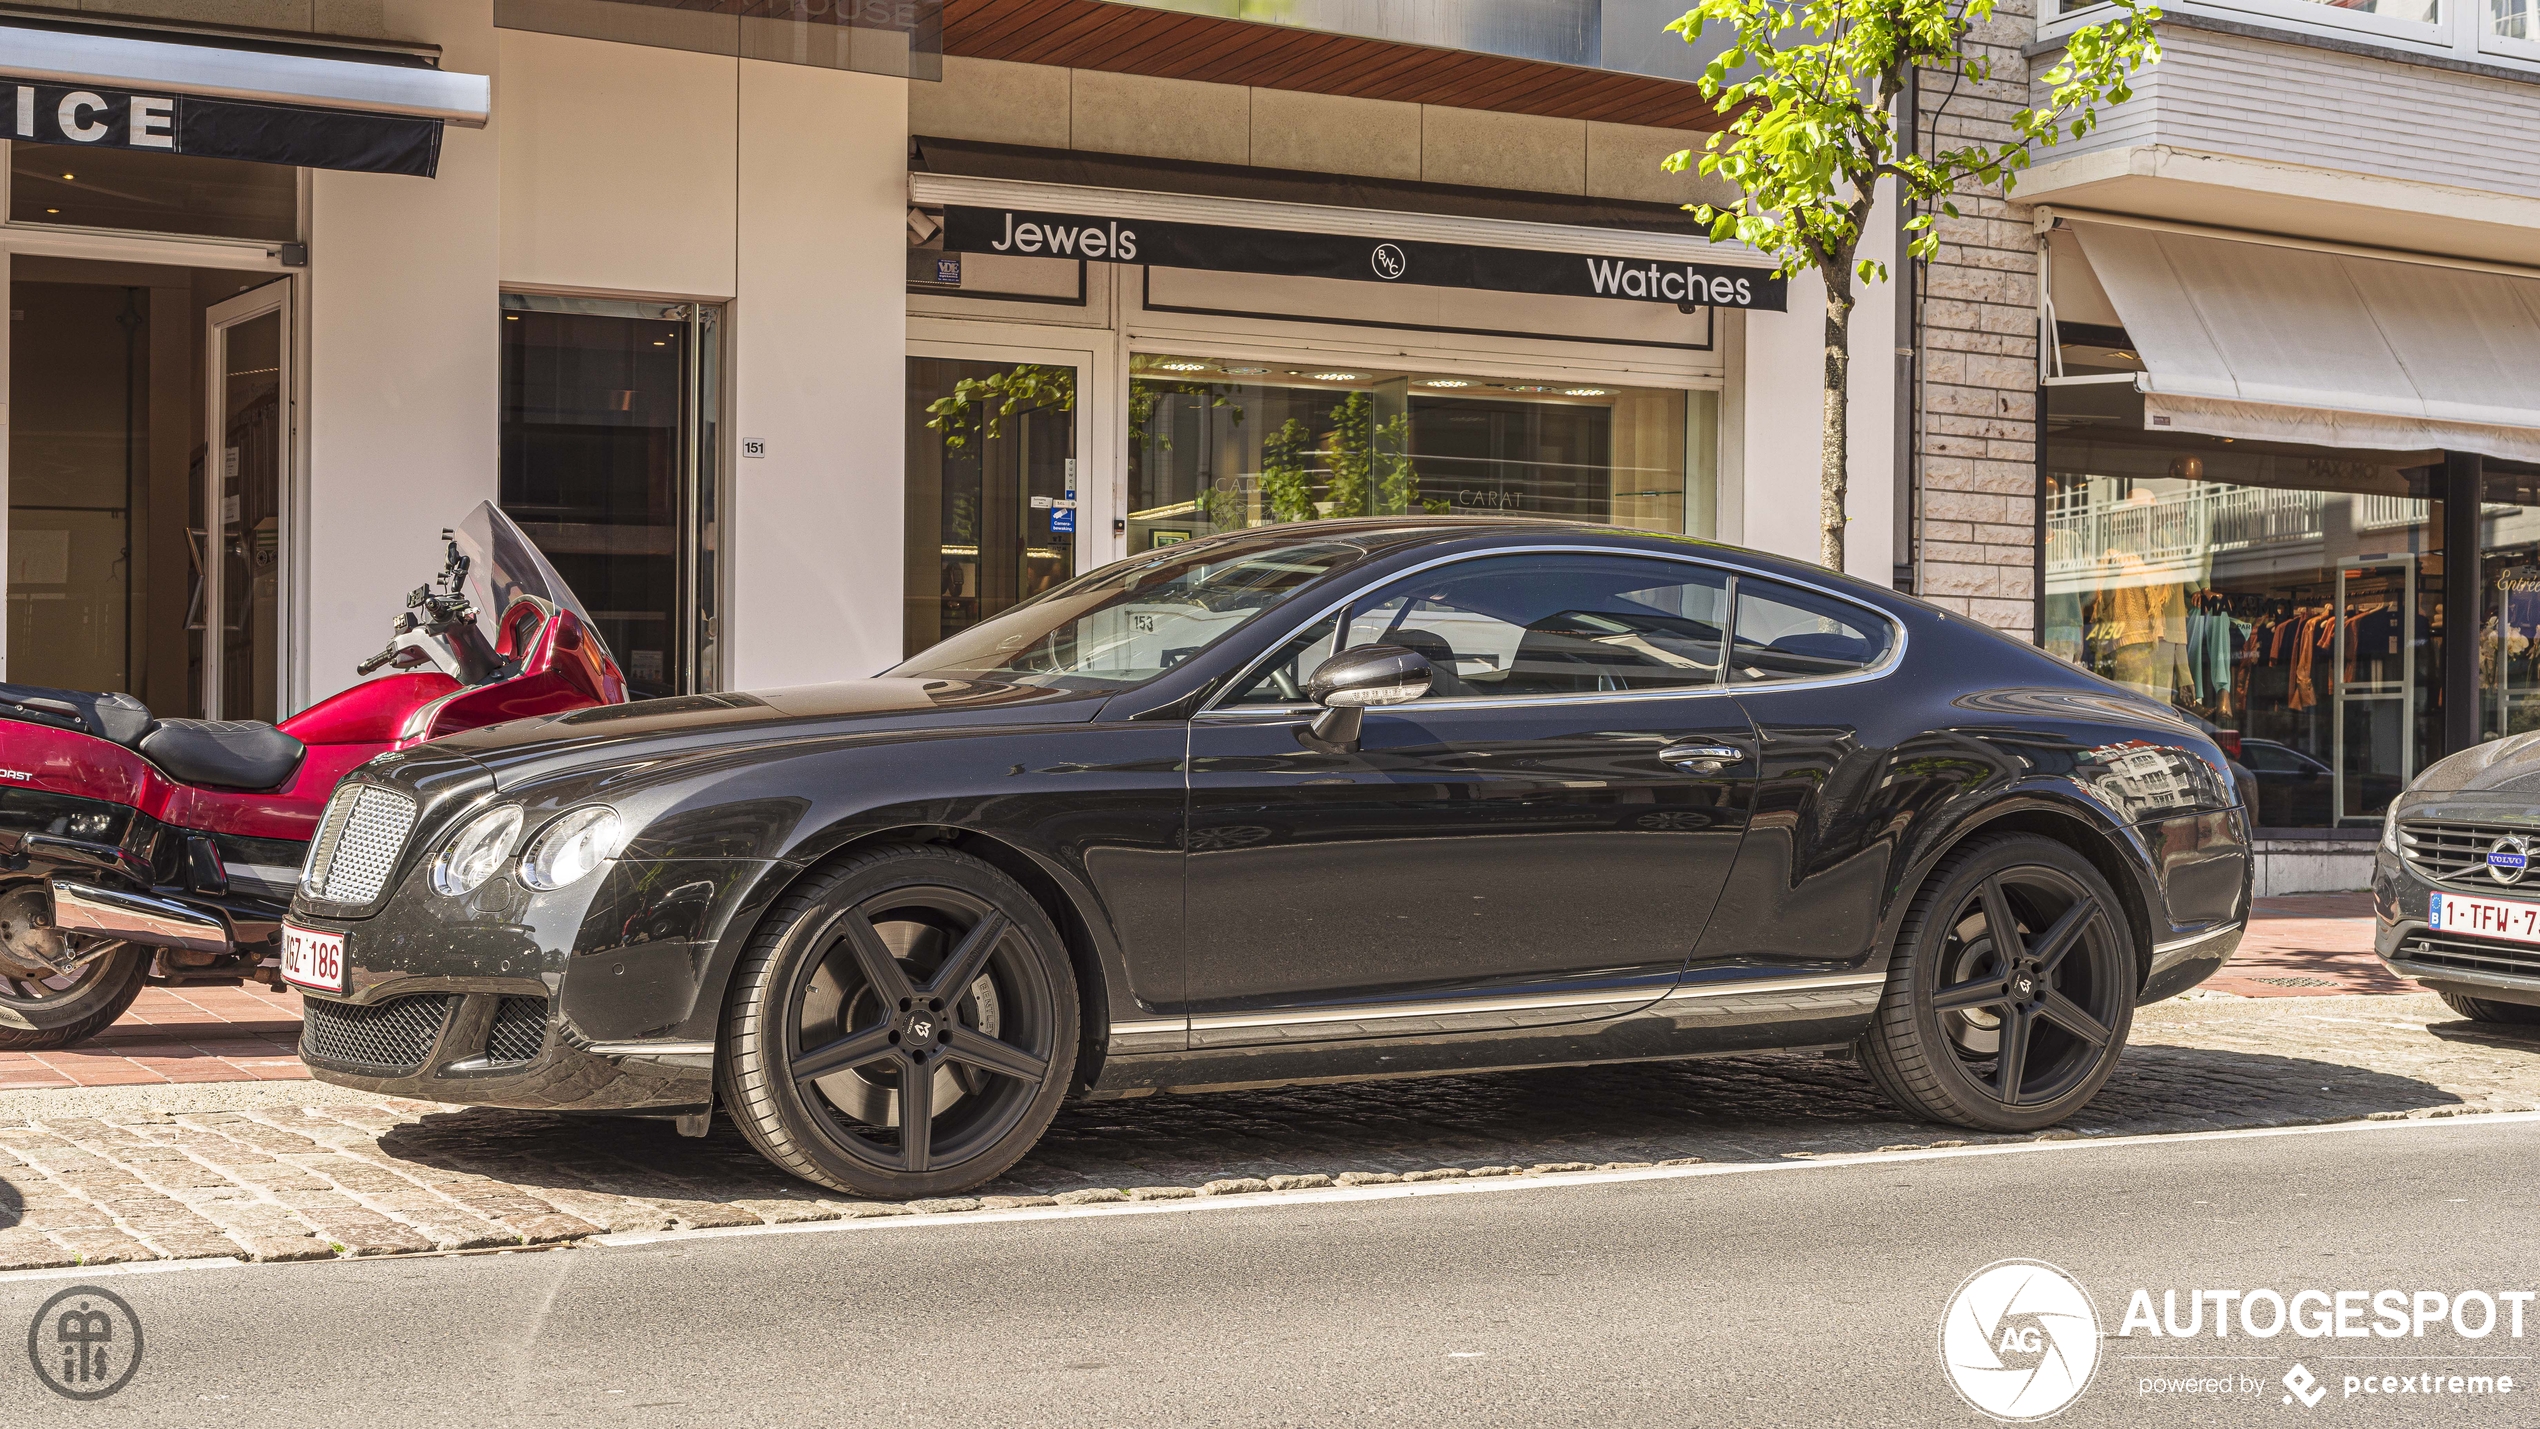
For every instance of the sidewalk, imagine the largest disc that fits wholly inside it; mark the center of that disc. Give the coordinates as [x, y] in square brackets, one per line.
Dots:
[171, 1035]
[2308, 945]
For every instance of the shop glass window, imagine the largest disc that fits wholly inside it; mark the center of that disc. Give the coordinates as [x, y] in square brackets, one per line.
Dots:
[2509, 600]
[610, 462]
[180, 194]
[2290, 598]
[1220, 445]
[991, 513]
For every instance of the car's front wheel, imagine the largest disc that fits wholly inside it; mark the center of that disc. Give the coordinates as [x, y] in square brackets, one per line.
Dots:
[2011, 990]
[2483, 1009]
[904, 1024]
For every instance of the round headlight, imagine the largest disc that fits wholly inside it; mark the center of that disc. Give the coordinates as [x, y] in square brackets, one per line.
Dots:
[570, 847]
[477, 852]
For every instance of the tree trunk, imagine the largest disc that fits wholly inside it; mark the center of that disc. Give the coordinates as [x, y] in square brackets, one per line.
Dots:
[1834, 481]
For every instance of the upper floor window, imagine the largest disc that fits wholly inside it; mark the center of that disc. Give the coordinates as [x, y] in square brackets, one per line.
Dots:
[2499, 32]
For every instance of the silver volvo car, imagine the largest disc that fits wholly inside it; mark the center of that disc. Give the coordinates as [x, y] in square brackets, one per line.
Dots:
[2458, 898]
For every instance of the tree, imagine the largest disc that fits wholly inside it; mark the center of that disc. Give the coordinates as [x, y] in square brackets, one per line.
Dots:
[1814, 127]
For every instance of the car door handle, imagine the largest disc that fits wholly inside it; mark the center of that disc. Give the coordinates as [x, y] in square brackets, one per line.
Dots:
[1700, 758]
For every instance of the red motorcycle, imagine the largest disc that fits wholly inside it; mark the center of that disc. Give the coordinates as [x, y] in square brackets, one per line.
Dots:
[135, 849]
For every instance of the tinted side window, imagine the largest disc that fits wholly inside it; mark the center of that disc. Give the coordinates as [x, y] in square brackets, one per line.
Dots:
[1539, 624]
[1784, 633]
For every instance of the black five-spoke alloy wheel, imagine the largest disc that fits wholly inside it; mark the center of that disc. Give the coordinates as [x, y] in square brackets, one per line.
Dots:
[903, 1025]
[2011, 992]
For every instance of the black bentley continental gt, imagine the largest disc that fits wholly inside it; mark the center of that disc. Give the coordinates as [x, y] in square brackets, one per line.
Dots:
[1348, 799]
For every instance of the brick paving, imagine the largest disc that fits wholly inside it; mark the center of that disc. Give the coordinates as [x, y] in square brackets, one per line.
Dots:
[283, 1181]
[2308, 945]
[176, 1035]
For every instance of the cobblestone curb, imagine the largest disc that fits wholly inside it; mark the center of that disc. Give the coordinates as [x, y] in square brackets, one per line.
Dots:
[390, 1177]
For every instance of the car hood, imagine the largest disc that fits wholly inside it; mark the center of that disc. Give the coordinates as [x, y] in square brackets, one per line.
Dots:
[524, 750]
[2500, 766]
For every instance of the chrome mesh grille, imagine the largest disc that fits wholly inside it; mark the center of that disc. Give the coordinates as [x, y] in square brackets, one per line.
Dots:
[520, 1029]
[358, 842]
[2455, 852]
[391, 1037]
[2442, 950]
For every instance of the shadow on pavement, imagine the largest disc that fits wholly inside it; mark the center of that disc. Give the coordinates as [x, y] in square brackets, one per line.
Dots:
[1743, 1108]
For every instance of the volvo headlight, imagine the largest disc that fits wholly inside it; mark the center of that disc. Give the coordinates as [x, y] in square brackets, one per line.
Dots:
[479, 850]
[570, 847]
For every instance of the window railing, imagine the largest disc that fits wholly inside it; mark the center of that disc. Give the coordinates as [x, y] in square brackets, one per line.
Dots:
[2505, 33]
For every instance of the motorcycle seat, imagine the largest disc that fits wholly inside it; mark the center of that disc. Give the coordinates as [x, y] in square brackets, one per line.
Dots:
[223, 754]
[117, 719]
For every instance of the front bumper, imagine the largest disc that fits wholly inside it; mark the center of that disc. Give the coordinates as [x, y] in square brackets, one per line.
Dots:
[2448, 962]
[592, 998]
[503, 1045]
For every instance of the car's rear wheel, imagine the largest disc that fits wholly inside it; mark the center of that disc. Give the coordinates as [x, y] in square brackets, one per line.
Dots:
[2481, 1009]
[2011, 991]
[904, 1024]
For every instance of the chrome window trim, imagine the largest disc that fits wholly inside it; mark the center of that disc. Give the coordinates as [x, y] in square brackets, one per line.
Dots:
[1887, 662]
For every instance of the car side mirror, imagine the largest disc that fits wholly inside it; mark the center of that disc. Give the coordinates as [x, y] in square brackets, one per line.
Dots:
[1347, 684]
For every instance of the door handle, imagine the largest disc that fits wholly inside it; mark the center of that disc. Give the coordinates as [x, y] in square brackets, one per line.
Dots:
[1700, 758]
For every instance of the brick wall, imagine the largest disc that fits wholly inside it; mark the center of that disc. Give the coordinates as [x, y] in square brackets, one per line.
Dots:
[1977, 432]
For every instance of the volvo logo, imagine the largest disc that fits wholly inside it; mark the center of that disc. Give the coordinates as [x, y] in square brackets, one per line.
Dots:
[1390, 262]
[2508, 858]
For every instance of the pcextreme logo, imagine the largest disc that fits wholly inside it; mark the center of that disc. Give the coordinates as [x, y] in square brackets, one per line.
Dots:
[2019, 1340]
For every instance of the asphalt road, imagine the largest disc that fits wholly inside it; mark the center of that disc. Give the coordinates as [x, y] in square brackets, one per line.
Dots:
[1804, 1295]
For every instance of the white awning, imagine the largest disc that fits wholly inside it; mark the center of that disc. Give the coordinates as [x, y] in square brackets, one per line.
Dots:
[214, 71]
[2279, 343]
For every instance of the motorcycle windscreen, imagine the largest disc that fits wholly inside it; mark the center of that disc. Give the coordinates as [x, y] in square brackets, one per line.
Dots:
[503, 565]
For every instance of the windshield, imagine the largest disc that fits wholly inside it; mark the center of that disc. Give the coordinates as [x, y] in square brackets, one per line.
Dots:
[503, 564]
[1128, 623]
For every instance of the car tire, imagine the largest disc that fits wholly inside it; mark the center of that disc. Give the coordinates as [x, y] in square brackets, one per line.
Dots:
[2063, 997]
[37, 1016]
[2480, 1009]
[907, 968]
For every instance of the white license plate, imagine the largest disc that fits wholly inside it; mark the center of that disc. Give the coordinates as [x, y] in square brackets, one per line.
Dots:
[2484, 917]
[313, 959]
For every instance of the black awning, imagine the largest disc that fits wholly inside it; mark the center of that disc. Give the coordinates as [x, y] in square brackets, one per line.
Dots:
[971, 159]
[217, 96]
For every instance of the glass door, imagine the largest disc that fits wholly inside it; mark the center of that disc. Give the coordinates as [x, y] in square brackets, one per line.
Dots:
[2376, 649]
[993, 491]
[610, 462]
[237, 500]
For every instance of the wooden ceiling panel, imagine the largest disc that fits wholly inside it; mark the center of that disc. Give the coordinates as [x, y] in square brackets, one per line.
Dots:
[1125, 39]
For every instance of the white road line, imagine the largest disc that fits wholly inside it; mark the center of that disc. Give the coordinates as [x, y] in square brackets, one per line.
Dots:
[1486, 1184]
[132, 1267]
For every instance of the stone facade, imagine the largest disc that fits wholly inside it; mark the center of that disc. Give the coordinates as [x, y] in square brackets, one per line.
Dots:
[1976, 433]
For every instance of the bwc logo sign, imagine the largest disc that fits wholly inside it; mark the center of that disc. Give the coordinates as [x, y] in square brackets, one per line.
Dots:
[2020, 1340]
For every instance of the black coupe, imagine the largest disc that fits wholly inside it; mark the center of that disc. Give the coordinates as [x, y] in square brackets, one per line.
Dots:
[1373, 798]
